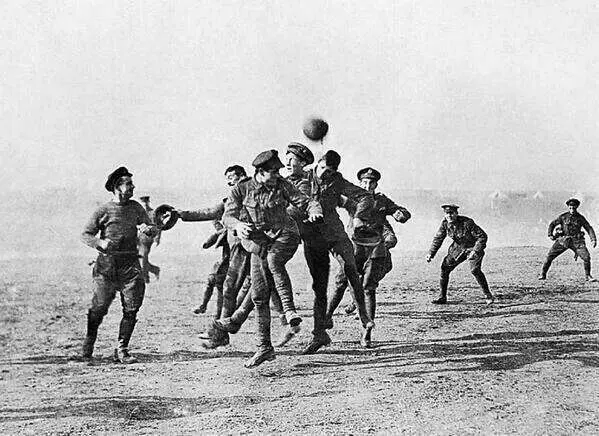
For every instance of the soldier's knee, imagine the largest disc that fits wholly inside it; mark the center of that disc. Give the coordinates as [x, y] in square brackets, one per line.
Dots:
[130, 314]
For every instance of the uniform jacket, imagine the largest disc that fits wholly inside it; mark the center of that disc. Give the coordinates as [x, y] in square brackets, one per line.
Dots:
[465, 233]
[302, 182]
[266, 207]
[572, 225]
[328, 193]
[382, 207]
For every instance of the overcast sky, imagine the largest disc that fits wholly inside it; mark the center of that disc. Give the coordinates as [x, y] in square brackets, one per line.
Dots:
[445, 94]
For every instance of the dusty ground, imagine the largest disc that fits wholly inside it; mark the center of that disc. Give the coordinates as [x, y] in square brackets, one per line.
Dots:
[528, 365]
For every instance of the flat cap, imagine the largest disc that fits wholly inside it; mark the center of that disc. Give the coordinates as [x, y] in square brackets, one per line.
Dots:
[268, 160]
[448, 207]
[301, 151]
[115, 176]
[369, 173]
[573, 202]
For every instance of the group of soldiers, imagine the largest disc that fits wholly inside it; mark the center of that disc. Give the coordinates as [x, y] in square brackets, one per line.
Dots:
[260, 226]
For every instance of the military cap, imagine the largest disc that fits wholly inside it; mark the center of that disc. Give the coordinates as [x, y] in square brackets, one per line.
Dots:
[301, 151]
[144, 198]
[449, 207]
[115, 176]
[573, 202]
[268, 160]
[369, 173]
[331, 159]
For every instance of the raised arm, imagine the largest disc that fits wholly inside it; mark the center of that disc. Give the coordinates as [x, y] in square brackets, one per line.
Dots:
[204, 214]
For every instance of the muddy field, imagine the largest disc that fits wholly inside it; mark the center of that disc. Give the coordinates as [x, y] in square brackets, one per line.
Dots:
[527, 365]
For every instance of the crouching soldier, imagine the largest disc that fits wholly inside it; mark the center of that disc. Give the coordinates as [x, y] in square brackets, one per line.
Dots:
[112, 230]
[571, 237]
[272, 238]
[469, 243]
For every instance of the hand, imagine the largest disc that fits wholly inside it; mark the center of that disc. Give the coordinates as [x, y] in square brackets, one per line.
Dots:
[315, 217]
[429, 258]
[104, 245]
[243, 230]
[149, 230]
[400, 217]
[357, 222]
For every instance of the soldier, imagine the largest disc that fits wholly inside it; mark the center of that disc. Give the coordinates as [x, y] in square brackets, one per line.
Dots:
[144, 244]
[571, 237]
[112, 230]
[469, 242]
[327, 186]
[378, 257]
[233, 175]
[271, 236]
[297, 157]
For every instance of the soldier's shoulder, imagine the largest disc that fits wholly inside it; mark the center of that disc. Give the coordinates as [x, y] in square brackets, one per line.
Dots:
[466, 219]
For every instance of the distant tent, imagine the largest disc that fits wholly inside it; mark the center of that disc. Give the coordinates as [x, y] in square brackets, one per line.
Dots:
[538, 196]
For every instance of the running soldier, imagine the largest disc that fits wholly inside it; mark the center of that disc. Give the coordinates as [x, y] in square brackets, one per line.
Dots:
[327, 185]
[144, 244]
[272, 237]
[570, 237]
[297, 157]
[377, 257]
[112, 230]
[469, 243]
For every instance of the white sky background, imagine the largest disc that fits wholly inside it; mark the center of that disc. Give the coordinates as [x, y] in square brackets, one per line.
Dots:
[446, 94]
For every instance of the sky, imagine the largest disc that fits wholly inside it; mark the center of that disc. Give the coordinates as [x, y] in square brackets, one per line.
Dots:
[464, 95]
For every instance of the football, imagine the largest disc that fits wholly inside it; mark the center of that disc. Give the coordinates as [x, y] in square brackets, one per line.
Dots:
[315, 128]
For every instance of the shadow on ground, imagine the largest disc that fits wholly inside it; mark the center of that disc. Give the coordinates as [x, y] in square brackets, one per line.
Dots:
[137, 408]
[479, 352]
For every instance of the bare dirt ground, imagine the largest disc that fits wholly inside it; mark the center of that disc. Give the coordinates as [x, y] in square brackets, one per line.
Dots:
[527, 365]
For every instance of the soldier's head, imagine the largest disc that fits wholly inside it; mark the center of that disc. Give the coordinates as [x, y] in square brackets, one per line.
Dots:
[451, 212]
[234, 174]
[120, 183]
[267, 166]
[369, 179]
[327, 165]
[573, 204]
[297, 157]
[145, 199]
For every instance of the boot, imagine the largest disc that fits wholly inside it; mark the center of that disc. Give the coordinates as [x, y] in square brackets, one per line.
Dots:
[288, 335]
[227, 325]
[121, 353]
[87, 349]
[261, 356]
[317, 343]
[217, 338]
[366, 340]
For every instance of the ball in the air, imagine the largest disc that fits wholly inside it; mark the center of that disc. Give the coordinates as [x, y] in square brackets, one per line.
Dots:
[315, 128]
